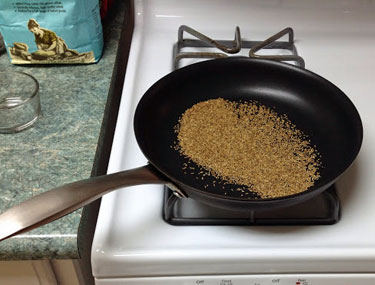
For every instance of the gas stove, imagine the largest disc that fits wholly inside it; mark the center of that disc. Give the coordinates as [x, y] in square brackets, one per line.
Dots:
[145, 235]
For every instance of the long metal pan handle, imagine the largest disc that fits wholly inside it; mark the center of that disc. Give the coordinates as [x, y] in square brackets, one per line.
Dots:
[58, 202]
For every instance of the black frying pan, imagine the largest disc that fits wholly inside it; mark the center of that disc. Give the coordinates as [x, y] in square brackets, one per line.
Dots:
[316, 106]
[313, 104]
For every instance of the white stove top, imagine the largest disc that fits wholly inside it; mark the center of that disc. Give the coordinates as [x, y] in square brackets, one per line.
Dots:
[336, 40]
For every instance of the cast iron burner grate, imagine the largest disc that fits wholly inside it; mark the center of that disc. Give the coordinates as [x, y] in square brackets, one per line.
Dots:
[234, 47]
[323, 209]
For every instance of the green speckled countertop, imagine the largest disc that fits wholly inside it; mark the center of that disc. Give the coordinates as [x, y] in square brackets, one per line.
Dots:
[59, 149]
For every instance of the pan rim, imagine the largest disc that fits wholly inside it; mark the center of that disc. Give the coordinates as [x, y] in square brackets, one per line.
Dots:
[314, 188]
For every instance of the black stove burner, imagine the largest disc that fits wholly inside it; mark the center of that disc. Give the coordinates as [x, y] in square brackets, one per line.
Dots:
[323, 209]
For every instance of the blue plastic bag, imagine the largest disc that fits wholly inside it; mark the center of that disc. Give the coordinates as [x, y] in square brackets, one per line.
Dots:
[51, 32]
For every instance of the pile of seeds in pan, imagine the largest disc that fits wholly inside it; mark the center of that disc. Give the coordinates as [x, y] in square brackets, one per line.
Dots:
[249, 144]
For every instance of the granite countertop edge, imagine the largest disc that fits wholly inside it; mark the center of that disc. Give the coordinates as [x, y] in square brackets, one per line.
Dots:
[59, 241]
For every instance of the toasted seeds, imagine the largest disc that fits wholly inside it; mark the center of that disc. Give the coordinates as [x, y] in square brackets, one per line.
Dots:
[247, 143]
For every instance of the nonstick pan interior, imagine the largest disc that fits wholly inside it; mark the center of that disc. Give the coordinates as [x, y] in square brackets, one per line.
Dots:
[313, 104]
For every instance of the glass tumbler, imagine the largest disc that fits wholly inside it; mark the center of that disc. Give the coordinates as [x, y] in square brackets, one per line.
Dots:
[19, 101]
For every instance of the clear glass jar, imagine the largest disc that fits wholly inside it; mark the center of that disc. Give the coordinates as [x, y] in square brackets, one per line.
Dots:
[19, 101]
